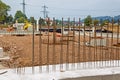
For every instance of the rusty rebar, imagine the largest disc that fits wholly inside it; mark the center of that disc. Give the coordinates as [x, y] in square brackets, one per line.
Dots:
[107, 52]
[118, 41]
[33, 43]
[112, 63]
[89, 48]
[61, 54]
[95, 46]
[73, 45]
[84, 51]
[101, 47]
[48, 42]
[68, 55]
[78, 66]
[40, 46]
[54, 43]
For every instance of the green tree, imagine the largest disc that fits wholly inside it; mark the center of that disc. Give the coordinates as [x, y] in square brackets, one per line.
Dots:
[32, 20]
[21, 20]
[88, 21]
[42, 21]
[95, 22]
[20, 17]
[4, 8]
[105, 22]
[9, 19]
[58, 22]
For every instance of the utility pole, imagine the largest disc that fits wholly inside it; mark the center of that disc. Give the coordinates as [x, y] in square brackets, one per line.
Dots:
[45, 12]
[23, 4]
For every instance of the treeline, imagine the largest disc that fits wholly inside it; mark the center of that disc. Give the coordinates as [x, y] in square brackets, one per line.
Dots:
[5, 18]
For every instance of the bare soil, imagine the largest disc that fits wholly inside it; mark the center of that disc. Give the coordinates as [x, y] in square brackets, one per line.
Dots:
[54, 50]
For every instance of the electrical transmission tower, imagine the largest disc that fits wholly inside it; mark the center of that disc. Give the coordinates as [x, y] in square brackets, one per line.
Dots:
[23, 4]
[45, 12]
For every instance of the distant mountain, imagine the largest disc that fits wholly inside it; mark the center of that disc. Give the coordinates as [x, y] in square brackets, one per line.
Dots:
[116, 18]
[102, 18]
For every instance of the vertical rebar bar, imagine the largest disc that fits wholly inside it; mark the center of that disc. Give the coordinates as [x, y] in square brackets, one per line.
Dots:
[79, 45]
[112, 55]
[54, 42]
[101, 47]
[40, 47]
[94, 38]
[89, 49]
[33, 54]
[61, 54]
[84, 51]
[73, 45]
[48, 25]
[107, 52]
[117, 49]
[67, 55]
[118, 42]
[96, 46]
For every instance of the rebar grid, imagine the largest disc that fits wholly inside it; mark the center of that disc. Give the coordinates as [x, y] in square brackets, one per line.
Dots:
[73, 46]
[80, 52]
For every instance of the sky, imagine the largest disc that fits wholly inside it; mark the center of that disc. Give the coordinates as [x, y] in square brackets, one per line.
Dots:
[67, 8]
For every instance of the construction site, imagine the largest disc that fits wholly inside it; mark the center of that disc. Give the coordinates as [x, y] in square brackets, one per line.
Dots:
[58, 50]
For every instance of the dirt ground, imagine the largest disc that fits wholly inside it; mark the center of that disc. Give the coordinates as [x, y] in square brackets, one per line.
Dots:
[20, 49]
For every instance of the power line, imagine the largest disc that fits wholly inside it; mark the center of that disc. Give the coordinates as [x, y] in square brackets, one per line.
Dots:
[23, 4]
[45, 12]
[82, 10]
